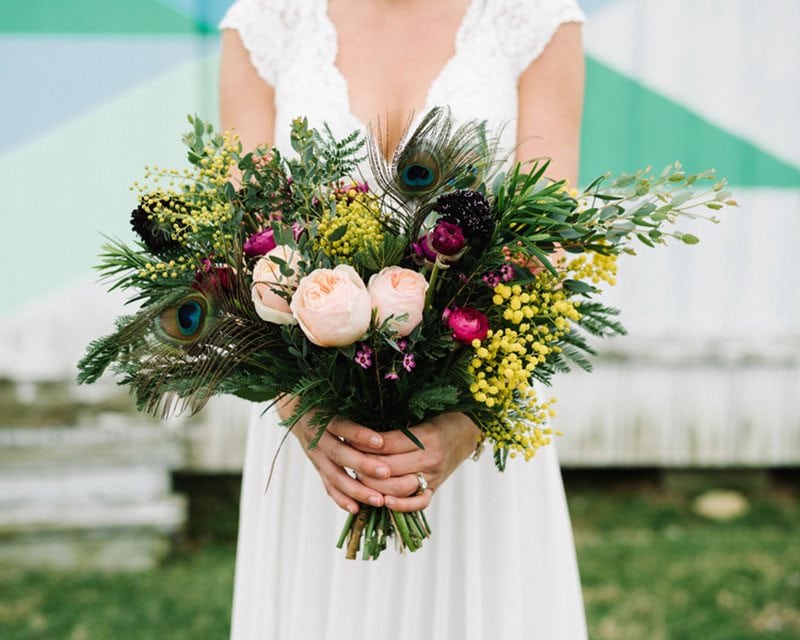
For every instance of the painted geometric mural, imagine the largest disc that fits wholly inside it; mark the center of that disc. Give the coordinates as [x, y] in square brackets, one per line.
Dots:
[95, 89]
[100, 87]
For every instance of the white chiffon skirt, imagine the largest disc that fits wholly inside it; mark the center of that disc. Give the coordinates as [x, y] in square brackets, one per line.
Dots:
[500, 563]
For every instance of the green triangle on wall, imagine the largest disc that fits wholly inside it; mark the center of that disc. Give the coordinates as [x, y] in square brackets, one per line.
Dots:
[95, 16]
[627, 126]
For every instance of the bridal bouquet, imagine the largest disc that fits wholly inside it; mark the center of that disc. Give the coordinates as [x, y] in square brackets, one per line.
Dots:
[443, 285]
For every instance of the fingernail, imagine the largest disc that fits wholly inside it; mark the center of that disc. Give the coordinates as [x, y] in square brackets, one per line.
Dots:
[352, 509]
[376, 441]
[390, 502]
[382, 472]
[375, 501]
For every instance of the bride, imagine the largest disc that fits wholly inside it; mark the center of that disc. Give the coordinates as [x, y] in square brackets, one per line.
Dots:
[501, 562]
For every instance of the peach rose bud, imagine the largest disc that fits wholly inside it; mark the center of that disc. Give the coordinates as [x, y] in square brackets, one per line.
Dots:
[268, 281]
[399, 293]
[332, 306]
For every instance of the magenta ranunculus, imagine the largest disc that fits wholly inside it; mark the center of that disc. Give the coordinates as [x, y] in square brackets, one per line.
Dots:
[214, 279]
[422, 248]
[468, 324]
[260, 243]
[447, 238]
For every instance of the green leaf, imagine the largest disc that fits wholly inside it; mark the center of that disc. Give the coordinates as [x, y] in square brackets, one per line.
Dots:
[412, 437]
[645, 240]
[577, 286]
[688, 238]
[338, 233]
[230, 191]
[199, 127]
[682, 198]
[253, 395]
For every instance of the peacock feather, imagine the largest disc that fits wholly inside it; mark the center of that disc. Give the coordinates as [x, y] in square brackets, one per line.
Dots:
[437, 157]
[175, 352]
[187, 321]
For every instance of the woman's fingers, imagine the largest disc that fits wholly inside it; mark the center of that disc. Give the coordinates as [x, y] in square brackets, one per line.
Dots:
[412, 503]
[343, 455]
[343, 483]
[396, 441]
[400, 487]
[429, 461]
[339, 498]
[361, 437]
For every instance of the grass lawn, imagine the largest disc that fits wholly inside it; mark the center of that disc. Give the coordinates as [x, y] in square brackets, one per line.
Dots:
[651, 570]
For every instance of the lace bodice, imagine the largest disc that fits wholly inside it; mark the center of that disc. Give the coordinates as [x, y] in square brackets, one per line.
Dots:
[293, 47]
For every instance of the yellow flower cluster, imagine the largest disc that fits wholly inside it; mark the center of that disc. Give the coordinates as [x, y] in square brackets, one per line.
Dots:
[362, 215]
[599, 268]
[171, 269]
[192, 201]
[530, 323]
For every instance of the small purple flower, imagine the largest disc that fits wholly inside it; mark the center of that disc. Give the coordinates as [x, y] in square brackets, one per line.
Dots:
[363, 187]
[408, 362]
[447, 238]
[260, 243]
[364, 357]
[507, 272]
[297, 230]
[491, 278]
[402, 344]
[392, 375]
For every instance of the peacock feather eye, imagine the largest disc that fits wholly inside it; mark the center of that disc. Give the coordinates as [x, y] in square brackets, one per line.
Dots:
[417, 176]
[185, 321]
[189, 315]
[418, 172]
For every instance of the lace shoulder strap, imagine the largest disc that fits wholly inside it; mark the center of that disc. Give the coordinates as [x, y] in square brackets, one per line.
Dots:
[264, 27]
[525, 27]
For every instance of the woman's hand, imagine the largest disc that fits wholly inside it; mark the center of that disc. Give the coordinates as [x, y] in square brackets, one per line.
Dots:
[331, 455]
[449, 439]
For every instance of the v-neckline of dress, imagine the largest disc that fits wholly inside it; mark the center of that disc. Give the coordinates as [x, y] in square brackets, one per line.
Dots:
[343, 87]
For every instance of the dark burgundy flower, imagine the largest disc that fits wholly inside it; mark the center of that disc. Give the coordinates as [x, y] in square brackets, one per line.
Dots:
[468, 324]
[260, 243]
[447, 238]
[469, 210]
[156, 238]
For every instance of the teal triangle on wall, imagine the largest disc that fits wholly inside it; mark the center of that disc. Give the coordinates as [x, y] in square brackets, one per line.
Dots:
[96, 16]
[627, 126]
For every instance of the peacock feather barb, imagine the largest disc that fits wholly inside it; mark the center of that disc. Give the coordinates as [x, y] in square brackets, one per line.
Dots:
[437, 157]
[176, 352]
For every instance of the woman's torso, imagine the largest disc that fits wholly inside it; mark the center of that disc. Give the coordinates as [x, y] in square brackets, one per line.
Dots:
[469, 72]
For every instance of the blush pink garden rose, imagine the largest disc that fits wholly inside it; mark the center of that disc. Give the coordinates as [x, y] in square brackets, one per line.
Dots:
[268, 280]
[396, 291]
[468, 324]
[332, 306]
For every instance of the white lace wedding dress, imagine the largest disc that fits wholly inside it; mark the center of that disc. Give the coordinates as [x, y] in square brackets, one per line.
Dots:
[501, 562]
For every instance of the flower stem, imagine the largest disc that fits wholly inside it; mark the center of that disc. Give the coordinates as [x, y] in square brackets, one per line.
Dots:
[432, 284]
[369, 546]
[345, 530]
[355, 533]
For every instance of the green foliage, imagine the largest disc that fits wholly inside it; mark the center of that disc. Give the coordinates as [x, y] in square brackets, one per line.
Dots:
[430, 400]
[538, 212]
